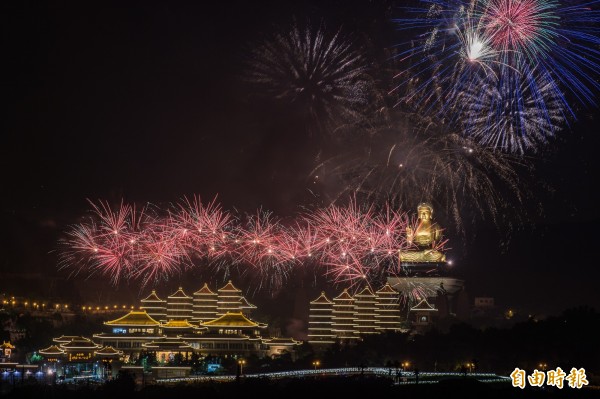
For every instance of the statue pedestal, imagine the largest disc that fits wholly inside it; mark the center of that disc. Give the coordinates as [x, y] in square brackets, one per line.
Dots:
[429, 285]
[429, 269]
[426, 279]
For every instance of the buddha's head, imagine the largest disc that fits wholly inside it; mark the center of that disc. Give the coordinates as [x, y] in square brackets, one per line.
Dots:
[424, 210]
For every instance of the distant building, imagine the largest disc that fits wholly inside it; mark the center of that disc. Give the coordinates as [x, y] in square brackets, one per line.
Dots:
[422, 316]
[205, 304]
[344, 314]
[192, 325]
[6, 350]
[320, 321]
[229, 299]
[179, 306]
[154, 306]
[387, 315]
[484, 302]
[365, 316]
[349, 317]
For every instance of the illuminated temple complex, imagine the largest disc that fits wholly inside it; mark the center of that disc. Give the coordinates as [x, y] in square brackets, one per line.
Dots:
[206, 323]
[219, 323]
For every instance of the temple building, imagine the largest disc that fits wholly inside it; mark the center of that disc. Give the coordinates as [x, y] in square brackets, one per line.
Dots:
[246, 307]
[422, 316]
[154, 306]
[179, 306]
[205, 324]
[6, 350]
[205, 304]
[79, 357]
[365, 316]
[387, 315]
[320, 321]
[349, 317]
[344, 314]
[229, 299]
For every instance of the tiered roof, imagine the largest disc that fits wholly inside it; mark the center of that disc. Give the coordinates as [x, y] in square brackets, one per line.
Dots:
[322, 299]
[229, 287]
[233, 319]
[52, 350]
[387, 289]
[6, 345]
[179, 294]
[344, 296]
[153, 298]
[65, 338]
[80, 343]
[365, 292]
[178, 324]
[204, 290]
[134, 318]
[424, 306]
[244, 304]
[108, 351]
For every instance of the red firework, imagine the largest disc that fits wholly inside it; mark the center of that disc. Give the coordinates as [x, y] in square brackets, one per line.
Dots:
[515, 24]
[352, 244]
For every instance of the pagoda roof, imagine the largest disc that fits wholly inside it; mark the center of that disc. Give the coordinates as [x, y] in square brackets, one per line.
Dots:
[153, 297]
[424, 305]
[179, 294]
[245, 304]
[387, 289]
[229, 287]
[7, 345]
[233, 319]
[134, 318]
[108, 351]
[322, 299]
[365, 292]
[178, 324]
[66, 338]
[344, 295]
[80, 343]
[204, 290]
[52, 350]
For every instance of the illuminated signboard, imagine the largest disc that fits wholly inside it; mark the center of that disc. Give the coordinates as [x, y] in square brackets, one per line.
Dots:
[73, 357]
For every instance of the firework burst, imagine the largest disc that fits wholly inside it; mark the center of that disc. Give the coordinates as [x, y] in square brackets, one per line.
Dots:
[410, 159]
[318, 72]
[537, 54]
[107, 242]
[512, 114]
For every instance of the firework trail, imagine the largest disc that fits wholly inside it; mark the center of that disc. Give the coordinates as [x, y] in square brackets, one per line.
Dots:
[317, 71]
[409, 159]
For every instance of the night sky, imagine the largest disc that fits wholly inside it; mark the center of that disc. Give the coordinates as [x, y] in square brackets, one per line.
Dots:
[146, 101]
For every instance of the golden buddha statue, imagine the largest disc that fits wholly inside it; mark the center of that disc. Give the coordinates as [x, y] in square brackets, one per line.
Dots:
[423, 239]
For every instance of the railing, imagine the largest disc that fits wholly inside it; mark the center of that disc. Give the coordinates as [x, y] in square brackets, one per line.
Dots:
[407, 377]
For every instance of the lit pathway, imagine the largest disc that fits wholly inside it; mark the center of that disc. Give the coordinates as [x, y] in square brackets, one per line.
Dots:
[405, 377]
